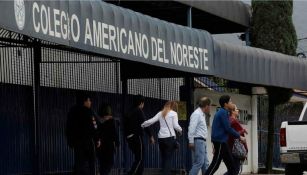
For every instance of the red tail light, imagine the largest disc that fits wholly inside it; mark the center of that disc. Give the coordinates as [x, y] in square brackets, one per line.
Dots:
[282, 137]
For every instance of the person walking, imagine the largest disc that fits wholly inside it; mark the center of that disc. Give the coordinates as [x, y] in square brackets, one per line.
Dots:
[168, 120]
[220, 130]
[81, 130]
[235, 124]
[197, 135]
[108, 138]
[134, 134]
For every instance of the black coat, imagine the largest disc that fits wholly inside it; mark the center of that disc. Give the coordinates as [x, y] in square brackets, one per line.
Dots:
[108, 134]
[133, 121]
[80, 128]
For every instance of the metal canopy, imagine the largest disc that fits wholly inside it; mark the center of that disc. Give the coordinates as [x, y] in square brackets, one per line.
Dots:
[259, 67]
[213, 16]
[101, 28]
[234, 11]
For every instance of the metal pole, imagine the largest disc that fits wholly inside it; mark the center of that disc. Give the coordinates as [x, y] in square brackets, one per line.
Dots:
[35, 90]
[124, 99]
[189, 83]
[189, 15]
[247, 40]
[190, 79]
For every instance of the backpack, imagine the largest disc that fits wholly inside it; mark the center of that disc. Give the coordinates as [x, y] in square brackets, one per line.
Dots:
[238, 150]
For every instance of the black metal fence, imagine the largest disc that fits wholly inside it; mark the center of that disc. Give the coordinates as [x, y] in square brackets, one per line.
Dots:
[34, 104]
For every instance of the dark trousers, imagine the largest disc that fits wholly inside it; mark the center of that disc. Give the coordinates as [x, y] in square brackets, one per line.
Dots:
[136, 145]
[167, 150]
[221, 152]
[106, 158]
[85, 159]
[237, 165]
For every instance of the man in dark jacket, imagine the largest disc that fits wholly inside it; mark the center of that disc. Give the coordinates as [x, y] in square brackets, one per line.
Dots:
[80, 131]
[134, 134]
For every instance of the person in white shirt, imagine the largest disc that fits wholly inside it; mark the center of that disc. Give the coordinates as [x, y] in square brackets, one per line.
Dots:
[168, 119]
[197, 135]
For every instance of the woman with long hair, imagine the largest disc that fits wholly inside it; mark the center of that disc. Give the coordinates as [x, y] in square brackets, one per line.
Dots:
[235, 124]
[168, 120]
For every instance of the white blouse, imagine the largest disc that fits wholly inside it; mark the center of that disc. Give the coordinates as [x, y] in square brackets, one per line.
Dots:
[172, 121]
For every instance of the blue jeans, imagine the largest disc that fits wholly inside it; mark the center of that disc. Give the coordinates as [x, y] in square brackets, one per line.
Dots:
[199, 155]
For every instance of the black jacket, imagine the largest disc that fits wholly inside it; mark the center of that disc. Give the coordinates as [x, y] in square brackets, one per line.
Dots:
[133, 121]
[79, 126]
[107, 133]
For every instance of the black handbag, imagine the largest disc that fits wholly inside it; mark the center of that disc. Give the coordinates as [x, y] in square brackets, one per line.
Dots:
[176, 144]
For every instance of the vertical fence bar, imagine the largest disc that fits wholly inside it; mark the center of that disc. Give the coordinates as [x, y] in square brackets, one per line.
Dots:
[36, 85]
[124, 99]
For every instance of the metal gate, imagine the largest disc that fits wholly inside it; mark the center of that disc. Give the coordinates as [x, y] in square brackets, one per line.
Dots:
[38, 85]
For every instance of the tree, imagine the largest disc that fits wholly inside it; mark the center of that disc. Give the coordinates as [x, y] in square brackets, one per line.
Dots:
[272, 29]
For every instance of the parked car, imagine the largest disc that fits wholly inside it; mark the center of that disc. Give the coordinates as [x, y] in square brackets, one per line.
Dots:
[293, 144]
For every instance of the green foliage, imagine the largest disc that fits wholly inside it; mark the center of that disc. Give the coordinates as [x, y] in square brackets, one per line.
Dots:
[272, 27]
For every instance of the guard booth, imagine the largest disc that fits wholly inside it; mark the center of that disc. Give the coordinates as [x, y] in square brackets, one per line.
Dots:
[52, 50]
